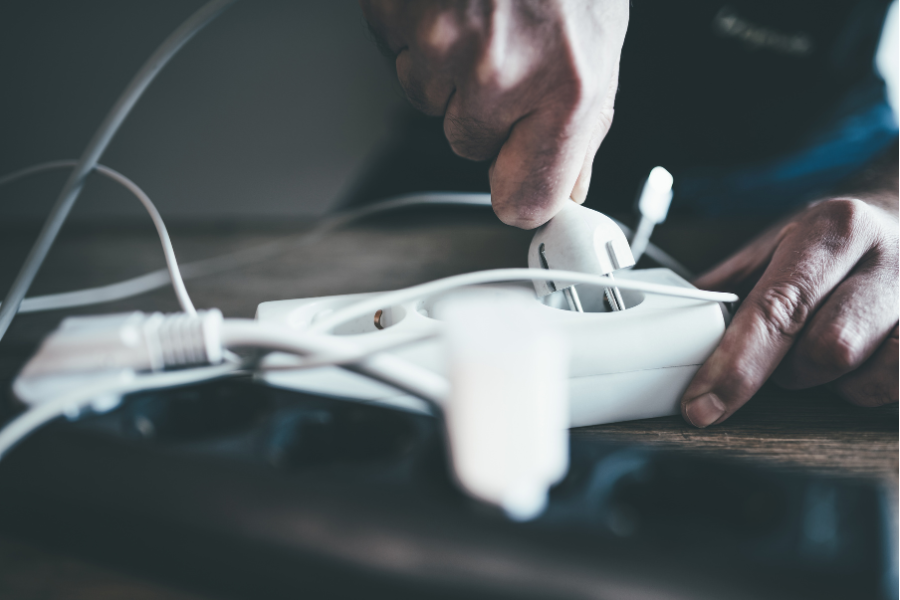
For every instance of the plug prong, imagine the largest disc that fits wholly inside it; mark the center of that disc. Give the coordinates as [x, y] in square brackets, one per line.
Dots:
[614, 296]
[572, 298]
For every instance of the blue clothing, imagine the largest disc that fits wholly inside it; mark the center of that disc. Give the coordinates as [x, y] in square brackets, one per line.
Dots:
[862, 128]
[754, 105]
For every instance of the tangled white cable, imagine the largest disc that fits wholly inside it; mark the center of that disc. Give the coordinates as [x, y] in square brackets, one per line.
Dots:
[84, 297]
[176, 275]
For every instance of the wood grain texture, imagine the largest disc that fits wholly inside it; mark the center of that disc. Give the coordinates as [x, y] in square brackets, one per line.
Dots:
[31, 572]
[808, 431]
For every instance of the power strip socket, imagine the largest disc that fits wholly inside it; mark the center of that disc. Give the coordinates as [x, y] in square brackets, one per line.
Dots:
[624, 365]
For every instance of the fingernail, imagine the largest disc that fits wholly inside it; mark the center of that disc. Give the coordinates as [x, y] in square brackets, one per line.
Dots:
[704, 410]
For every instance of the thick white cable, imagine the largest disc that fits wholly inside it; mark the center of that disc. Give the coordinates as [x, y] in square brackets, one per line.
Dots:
[70, 298]
[370, 305]
[389, 369]
[76, 400]
[94, 150]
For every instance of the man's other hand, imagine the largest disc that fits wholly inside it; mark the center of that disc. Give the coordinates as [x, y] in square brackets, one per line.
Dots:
[528, 85]
[824, 309]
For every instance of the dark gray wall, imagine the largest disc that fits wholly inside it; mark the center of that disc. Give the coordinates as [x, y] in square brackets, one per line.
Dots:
[269, 112]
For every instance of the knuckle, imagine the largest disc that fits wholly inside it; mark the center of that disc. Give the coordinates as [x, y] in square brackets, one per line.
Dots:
[471, 138]
[784, 309]
[845, 218]
[419, 100]
[837, 350]
[844, 209]
[425, 91]
[575, 94]
[745, 380]
[412, 87]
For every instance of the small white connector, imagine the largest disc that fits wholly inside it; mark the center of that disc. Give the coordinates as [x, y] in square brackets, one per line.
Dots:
[653, 204]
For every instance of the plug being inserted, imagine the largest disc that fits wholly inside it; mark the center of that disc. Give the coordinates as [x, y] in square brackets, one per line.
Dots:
[582, 240]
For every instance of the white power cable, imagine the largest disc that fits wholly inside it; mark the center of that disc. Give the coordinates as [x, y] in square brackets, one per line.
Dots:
[389, 369]
[123, 348]
[349, 357]
[156, 279]
[51, 165]
[160, 278]
[98, 295]
[94, 150]
[499, 275]
[54, 300]
[171, 263]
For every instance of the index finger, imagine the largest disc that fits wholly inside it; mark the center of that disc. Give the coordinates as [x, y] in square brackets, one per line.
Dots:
[537, 167]
[806, 265]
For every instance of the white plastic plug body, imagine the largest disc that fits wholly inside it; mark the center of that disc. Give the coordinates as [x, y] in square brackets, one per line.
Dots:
[507, 414]
[578, 239]
[86, 349]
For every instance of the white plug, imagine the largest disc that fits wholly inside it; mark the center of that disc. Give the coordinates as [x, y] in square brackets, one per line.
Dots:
[583, 240]
[87, 349]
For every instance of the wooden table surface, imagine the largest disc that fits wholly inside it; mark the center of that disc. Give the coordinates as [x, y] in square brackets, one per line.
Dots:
[807, 431]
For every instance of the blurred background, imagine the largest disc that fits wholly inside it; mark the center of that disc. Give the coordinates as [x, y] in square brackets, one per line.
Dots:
[270, 113]
[282, 110]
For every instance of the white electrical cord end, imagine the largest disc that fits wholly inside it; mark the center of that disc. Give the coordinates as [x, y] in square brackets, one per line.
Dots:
[88, 348]
[653, 204]
[508, 412]
[89, 363]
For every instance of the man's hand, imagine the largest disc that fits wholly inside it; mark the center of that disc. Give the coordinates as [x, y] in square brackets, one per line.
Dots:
[529, 85]
[823, 310]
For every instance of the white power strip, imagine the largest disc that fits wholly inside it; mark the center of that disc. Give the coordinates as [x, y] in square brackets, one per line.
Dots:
[631, 364]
